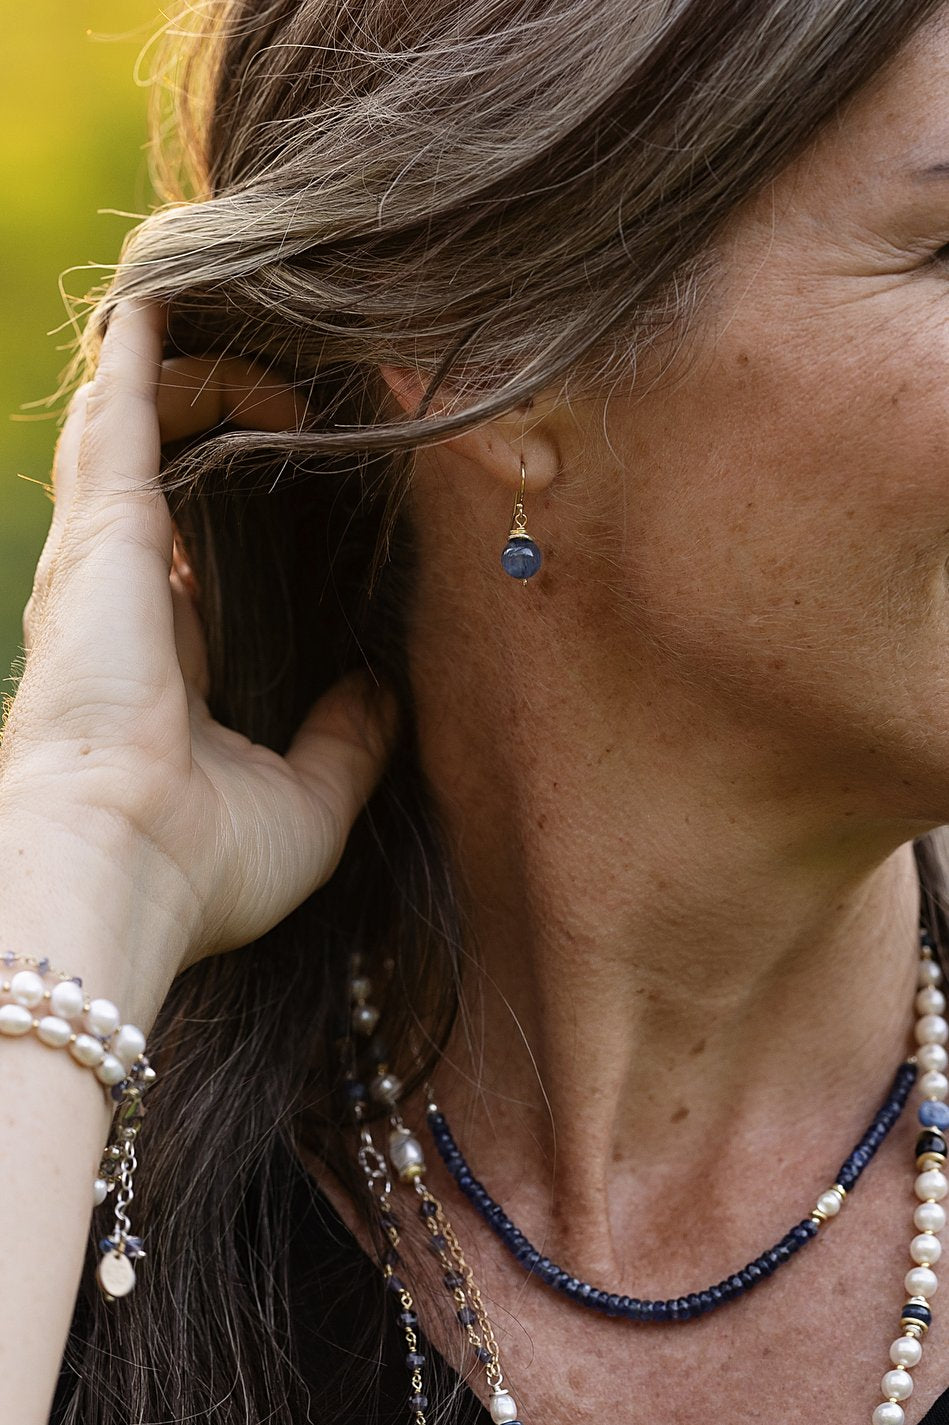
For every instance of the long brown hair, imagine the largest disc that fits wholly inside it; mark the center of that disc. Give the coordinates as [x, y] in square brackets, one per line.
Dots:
[501, 194]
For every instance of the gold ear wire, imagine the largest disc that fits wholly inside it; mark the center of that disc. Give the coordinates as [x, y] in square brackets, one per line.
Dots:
[521, 556]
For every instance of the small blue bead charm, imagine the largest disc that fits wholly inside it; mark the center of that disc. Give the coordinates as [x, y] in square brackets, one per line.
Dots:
[521, 557]
[933, 1114]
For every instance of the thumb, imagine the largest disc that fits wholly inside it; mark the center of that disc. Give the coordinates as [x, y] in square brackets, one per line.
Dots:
[340, 749]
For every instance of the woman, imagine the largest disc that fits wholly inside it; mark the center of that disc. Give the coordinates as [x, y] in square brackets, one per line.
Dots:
[621, 855]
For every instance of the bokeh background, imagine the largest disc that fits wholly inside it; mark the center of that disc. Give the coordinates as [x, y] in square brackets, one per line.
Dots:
[73, 106]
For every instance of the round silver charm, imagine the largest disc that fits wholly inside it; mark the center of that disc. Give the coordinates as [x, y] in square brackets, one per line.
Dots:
[116, 1274]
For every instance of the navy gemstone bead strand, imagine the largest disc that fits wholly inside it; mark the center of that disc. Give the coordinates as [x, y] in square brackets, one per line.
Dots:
[681, 1308]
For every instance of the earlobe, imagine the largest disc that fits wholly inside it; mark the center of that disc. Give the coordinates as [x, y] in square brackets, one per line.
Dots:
[497, 446]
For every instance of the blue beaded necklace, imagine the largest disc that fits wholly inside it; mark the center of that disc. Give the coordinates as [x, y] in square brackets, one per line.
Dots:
[697, 1303]
[405, 1162]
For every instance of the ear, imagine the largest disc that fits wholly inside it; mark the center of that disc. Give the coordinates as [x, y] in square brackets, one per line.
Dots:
[496, 446]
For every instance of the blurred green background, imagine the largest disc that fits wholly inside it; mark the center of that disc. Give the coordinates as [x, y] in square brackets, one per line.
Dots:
[72, 142]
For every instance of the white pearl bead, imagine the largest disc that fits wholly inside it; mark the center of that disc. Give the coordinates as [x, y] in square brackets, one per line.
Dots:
[929, 973]
[931, 1183]
[921, 1281]
[127, 1043]
[925, 1248]
[888, 1414]
[934, 1084]
[365, 1018]
[906, 1351]
[102, 1017]
[930, 1217]
[829, 1203]
[502, 1408]
[898, 1383]
[932, 1057]
[361, 988]
[54, 1031]
[66, 999]
[930, 1001]
[405, 1151]
[100, 1191]
[27, 988]
[932, 1029]
[15, 1019]
[86, 1050]
[111, 1070]
[385, 1088]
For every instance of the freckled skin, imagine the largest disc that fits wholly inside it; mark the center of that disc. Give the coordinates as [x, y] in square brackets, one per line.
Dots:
[678, 780]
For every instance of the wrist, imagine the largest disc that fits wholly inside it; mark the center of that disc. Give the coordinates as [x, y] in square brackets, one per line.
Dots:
[97, 901]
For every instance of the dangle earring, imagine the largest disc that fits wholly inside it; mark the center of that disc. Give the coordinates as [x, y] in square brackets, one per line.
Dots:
[521, 556]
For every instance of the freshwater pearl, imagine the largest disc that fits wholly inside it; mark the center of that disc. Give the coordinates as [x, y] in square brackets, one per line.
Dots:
[925, 1248]
[66, 999]
[934, 1084]
[405, 1151]
[360, 988]
[932, 1057]
[102, 1017]
[100, 1191]
[931, 1183]
[365, 1018]
[929, 973]
[502, 1408]
[15, 1019]
[829, 1203]
[921, 1281]
[888, 1414]
[111, 1070]
[54, 1031]
[27, 988]
[385, 1088]
[898, 1383]
[929, 1000]
[86, 1050]
[906, 1351]
[931, 1029]
[930, 1217]
[127, 1043]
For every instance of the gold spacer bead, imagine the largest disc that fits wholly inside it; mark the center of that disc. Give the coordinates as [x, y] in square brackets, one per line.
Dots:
[931, 1160]
[411, 1172]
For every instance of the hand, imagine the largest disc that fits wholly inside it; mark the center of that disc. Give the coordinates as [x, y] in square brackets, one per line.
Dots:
[110, 724]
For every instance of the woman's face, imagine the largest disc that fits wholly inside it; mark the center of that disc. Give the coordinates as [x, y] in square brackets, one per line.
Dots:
[779, 540]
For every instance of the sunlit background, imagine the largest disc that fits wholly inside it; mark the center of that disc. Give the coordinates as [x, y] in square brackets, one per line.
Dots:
[72, 142]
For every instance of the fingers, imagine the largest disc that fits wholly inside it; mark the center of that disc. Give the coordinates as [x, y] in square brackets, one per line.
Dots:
[341, 748]
[64, 483]
[198, 393]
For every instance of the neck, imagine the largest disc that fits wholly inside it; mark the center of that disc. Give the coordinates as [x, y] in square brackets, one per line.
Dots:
[682, 966]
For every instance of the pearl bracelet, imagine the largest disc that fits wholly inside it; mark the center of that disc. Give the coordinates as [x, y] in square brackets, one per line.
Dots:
[64, 1017]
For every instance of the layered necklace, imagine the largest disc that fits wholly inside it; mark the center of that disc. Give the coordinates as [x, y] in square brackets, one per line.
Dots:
[401, 1164]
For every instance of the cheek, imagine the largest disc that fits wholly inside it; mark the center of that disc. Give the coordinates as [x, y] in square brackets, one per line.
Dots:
[787, 507]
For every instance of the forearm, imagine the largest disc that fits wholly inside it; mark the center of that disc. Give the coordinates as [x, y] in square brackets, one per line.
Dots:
[59, 901]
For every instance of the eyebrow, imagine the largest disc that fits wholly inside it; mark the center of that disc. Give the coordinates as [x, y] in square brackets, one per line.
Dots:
[936, 170]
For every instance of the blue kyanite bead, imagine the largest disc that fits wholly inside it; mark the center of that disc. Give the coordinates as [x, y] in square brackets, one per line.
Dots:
[395, 1284]
[418, 1402]
[437, 1243]
[107, 1244]
[43, 965]
[933, 1114]
[414, 1358]
[914, 1312]
[133, 1247]
[8, 958]
[520, 557]
[427, 1208]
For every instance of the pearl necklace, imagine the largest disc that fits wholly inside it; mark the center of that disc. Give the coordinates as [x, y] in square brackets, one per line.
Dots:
[408, 1166]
